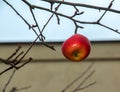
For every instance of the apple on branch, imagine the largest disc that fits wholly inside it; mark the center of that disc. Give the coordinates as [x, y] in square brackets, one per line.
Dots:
[76, 48]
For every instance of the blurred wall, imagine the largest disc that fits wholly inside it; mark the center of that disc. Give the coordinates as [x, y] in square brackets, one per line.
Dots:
[51, 72]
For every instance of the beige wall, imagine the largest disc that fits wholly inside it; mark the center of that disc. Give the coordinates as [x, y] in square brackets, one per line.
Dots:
[51, 72]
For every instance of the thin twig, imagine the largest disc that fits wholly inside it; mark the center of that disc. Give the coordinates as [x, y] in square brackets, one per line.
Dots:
[30, 27]
[111, 3]
[31, 10]
[8, 61]
[75, 20]
[15, 59]
[114, 30]
[83, 5]
[29, 60]
[8, 82]
[76, 79]
[26, 52]
[90, 84]
[51, 17]
[79, 86]
[19, 47]
[40, 34]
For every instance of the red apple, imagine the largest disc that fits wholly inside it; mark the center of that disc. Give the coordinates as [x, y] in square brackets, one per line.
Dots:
[76, 48]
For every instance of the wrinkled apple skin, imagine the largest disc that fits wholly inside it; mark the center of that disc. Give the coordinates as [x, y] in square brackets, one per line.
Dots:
[76, 48]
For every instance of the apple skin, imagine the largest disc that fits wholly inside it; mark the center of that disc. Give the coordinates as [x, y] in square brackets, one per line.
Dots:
[76, 48]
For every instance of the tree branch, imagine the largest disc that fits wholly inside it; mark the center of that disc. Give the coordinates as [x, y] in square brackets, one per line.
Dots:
[82, 5]
[8, 82]
[79, 77]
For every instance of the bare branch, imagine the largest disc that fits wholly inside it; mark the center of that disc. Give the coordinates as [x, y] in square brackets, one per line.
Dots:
[15, 59]
[111, 3]
[83, 5]
[8, 82]
[41, 37]
[83, 81]
[19, 47]
[82, 88]
[75, 21]
[76, 79]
